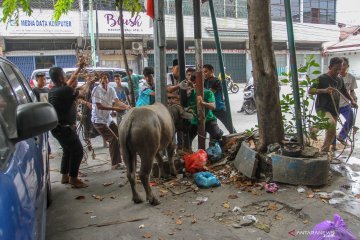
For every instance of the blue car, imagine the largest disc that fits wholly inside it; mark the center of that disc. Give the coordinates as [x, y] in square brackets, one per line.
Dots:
[24, 165]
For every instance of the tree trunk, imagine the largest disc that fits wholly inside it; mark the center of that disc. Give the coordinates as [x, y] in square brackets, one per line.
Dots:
[132, 95]
[266, 84]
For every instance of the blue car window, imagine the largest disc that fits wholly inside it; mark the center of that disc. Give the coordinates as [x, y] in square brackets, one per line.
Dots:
[5, 146]
[26, 84]
[21, 95]
[8, 106]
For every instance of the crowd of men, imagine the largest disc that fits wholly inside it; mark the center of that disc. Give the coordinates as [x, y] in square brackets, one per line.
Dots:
[334, 90]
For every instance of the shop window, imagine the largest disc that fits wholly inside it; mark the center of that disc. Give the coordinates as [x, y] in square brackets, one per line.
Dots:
[44, 62]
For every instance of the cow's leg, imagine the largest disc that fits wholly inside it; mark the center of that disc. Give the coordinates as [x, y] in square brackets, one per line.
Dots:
[170, 151]
[160, 162]
[131, 175]
[146, 165]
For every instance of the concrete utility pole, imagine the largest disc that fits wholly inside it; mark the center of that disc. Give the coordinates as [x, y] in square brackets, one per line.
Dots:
[199, 73]
[92, 39]
[160, 54]
[97, 64]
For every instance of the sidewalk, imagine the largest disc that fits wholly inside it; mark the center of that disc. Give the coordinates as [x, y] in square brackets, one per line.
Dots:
[105, 211]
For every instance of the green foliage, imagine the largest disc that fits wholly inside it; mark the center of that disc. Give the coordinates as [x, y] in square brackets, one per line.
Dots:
[309, 118]
[250, 132]
[61, 7]
[12, 6]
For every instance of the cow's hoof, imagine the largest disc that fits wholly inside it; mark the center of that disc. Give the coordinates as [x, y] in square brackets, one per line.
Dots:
[137, 200]
[154, 201]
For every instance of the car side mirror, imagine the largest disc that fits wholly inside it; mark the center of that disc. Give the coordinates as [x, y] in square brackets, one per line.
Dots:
[33, 119]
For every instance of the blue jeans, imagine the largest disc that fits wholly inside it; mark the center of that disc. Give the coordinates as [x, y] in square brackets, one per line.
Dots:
[348, 114]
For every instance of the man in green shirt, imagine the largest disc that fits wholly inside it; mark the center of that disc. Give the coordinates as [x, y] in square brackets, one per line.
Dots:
[208, 102]
[135, 79]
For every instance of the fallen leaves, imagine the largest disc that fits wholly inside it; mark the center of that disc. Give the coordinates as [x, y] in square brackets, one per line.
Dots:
[357, 195]
[226, 205]
[194, 220]
[178, 221]
[233, 196]
[305, 221]
[147, 235]
[272, 206]
[108, 184]
[163, 190]
[279, 217]
[310, 195]
[97, 197]
[80, 197]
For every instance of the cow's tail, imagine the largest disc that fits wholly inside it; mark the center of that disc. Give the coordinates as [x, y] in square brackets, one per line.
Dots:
[125, 141]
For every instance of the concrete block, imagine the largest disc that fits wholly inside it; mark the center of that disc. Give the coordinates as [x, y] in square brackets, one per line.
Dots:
[300, 171]
[246, 160]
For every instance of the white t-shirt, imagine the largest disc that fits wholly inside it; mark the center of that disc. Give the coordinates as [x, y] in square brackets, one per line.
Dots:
[350, 84]
[106, 98]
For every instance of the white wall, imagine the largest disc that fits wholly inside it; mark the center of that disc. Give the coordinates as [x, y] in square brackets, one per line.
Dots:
[354, 62]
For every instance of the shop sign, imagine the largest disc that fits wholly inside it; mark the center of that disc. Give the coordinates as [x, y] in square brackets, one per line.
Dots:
[109, 23]
[41, 23]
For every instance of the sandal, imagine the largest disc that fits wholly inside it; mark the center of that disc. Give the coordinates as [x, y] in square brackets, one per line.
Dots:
[77, 183]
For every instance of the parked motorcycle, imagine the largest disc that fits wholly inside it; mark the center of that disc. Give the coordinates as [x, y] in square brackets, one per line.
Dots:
[231, 85]
[249, 100]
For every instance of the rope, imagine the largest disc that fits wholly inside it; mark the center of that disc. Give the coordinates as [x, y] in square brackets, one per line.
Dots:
[349, 137]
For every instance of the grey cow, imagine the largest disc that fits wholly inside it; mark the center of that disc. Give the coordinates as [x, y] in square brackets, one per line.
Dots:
[146, 131]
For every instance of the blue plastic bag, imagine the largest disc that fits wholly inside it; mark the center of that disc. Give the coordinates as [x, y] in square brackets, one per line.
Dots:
[332, 230]
[214, 152]
[206, 180]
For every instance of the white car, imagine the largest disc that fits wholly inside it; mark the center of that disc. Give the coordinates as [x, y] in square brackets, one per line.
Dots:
[98, 70]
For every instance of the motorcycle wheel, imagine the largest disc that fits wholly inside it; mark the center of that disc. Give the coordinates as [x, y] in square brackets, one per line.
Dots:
[234, 88]
[249, 107]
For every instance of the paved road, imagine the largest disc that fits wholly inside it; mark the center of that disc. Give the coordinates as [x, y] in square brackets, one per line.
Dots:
[183, 216]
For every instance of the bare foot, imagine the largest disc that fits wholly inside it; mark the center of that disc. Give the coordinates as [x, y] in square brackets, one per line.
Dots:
[77, 183]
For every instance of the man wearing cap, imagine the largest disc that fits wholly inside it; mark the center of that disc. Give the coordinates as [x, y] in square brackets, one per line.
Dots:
[41, 92]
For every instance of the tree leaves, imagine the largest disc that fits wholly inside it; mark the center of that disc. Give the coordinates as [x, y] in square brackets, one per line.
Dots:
[11, 6]
[61, 7]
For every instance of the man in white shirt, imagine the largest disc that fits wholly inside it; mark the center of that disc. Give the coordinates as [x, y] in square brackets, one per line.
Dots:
[344, 106]
[104, 100]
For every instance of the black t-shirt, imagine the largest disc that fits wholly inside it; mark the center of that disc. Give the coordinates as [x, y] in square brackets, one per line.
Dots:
[38, 91]
[63, 100]
[324, 101]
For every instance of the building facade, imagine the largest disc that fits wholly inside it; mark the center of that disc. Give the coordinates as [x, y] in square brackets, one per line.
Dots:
[38, 42]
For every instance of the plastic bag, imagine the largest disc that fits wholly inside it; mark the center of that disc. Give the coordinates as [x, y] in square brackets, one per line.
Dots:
[332, 230]
[195, 162]
[214, 152]
[206, 180]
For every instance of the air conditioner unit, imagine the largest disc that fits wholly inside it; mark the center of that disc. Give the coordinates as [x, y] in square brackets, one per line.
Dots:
[137, 46]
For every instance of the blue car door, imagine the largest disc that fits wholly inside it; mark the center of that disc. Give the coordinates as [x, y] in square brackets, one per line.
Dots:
[23, 168]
